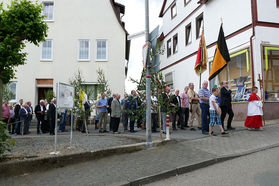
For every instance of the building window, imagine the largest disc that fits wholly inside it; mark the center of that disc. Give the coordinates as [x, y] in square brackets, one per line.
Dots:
[175, 43]
[199, 24]
[48, 10]
[186, 2]
[47, 50]
[84, 50]
[188, 34]
[168, 47]
[9, 92]
[92, 90]
[169, 80]
[270, 73]
[173, 11]
[238, 74]
[102, 50]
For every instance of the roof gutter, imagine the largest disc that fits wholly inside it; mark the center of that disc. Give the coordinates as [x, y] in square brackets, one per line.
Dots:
[254, 13]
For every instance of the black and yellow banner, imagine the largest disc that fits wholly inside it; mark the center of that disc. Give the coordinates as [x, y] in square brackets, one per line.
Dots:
[221, 57]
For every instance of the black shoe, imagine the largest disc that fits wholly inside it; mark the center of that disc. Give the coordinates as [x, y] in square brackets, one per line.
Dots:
[105, 131]
[199, 128]
[193, 129]
[133, 131]
[187, 126]
[182, 128]
[230, 128]
[101, 131]
[38, 133]
[154, 131]
[205, 133]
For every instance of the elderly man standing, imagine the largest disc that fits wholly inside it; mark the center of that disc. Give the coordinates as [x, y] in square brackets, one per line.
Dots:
[132, 106]
[185, 106]
[176, 103]
[115, 113]
[40, 110]
[204, 95]
[226, 105]
[194, 106]
[102, 104]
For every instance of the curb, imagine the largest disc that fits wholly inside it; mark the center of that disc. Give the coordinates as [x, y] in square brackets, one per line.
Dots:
[14, 168]
[192, 167]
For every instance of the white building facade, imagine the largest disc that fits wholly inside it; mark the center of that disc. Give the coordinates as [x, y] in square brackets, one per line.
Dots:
[251, 29]
[83, 35]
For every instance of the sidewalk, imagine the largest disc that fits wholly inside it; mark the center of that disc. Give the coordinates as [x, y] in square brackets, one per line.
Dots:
[33, 145]
[160, 162]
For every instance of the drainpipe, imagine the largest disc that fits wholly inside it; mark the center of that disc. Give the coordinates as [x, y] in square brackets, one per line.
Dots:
[254, 22]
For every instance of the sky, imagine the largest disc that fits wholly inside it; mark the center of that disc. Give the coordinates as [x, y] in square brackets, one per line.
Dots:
[134, 19]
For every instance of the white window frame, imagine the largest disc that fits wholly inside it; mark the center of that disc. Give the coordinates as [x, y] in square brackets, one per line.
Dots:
[49, 20]
[51, 59]
[96, 44]
[14, 100]
[89, 49]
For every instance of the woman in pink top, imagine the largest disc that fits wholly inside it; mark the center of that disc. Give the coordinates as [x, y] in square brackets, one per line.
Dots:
[5, 111]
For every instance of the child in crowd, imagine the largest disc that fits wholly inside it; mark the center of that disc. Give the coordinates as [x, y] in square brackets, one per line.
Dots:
[215, 112]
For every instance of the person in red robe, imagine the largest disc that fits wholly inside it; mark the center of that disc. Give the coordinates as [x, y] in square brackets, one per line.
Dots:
[255, 111]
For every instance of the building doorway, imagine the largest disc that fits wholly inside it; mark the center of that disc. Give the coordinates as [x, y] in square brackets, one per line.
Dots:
[42, 91]
[43, 86]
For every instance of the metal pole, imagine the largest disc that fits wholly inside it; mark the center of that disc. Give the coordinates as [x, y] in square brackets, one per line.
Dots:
[148, 96]
[71, 138]
[56, 116]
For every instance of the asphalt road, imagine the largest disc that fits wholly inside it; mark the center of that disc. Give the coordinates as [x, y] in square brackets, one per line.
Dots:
[258, 169]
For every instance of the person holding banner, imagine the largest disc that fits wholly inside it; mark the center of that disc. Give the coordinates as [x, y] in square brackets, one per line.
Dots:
[255, 111]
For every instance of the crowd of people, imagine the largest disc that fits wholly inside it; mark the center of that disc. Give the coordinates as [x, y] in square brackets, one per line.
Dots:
[19, 117]
[206, 107]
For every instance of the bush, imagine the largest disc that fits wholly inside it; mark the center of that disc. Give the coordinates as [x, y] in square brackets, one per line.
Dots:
[5, 143]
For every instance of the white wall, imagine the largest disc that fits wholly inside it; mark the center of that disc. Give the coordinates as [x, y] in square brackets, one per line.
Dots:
[73, 20]
[268, 11]
[184, 71]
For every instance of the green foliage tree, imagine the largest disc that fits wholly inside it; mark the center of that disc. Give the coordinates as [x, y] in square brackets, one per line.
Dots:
[49, 95]
[103, 82]
[21, 22]
[78, 83]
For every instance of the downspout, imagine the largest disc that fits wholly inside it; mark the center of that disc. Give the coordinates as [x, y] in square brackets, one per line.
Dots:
[254, 22]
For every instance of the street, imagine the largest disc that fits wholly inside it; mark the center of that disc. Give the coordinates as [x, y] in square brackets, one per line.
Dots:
[258, 169]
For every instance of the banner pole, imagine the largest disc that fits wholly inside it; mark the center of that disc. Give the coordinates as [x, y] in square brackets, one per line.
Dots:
[71, 137]
[56, 116]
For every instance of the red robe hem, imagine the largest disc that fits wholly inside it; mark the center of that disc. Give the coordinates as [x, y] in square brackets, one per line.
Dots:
[254, 121]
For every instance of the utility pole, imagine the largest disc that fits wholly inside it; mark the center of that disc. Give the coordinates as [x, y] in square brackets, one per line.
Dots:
[148, 76]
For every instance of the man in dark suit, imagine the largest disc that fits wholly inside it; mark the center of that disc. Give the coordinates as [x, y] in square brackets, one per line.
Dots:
[30, 115]
[176, 103]
[132, 107]
[51, 116]
[109, 110]
[164, 107]
[226, 105]
[40, 110]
